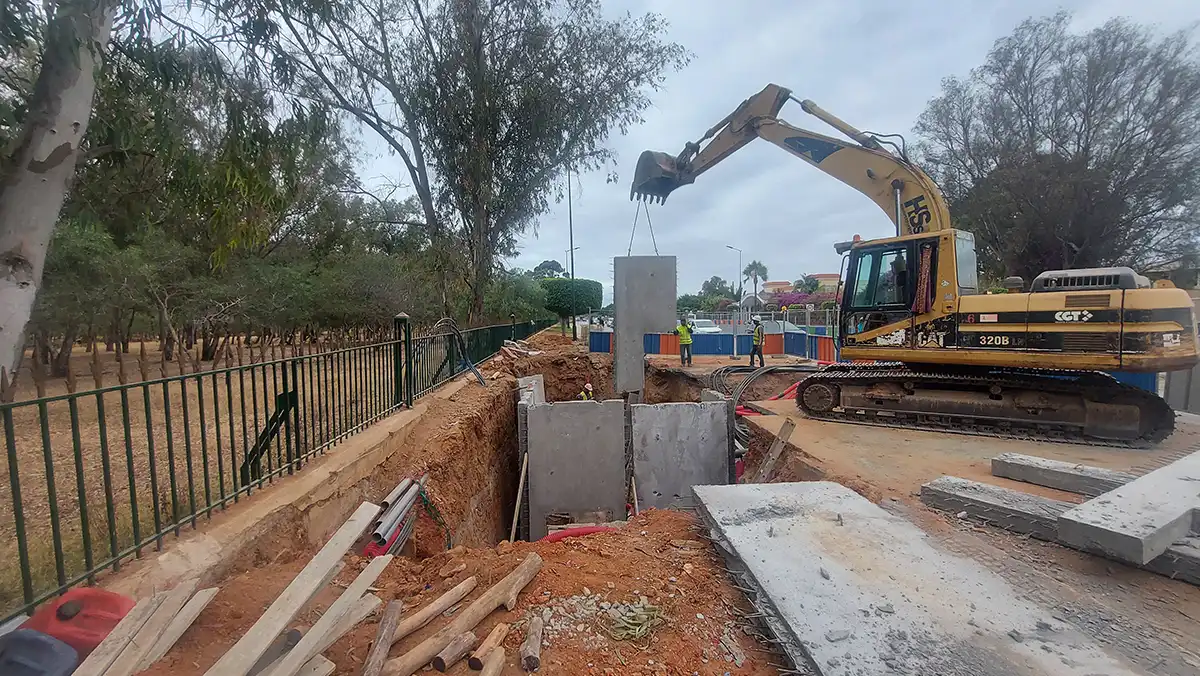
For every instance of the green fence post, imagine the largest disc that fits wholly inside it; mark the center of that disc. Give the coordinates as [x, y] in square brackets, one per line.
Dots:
[400, 356]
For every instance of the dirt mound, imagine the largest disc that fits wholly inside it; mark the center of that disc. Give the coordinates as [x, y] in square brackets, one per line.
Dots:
[567, 369]
[548, 339]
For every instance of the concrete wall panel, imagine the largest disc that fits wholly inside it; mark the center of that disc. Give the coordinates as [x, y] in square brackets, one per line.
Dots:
[535, 385]
[643, 302]
[576, 460]
[677, 446]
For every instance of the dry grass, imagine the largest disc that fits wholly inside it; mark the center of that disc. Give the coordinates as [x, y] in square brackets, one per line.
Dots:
[197, 430]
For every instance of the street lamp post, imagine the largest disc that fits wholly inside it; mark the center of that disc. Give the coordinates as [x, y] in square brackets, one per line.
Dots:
[570, 255]
[571, 243]
[737, 277]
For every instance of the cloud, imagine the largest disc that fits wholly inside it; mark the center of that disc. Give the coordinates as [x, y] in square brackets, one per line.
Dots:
[875, 64]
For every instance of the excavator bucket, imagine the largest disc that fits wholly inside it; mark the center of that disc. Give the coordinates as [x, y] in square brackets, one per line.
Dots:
[656, 176]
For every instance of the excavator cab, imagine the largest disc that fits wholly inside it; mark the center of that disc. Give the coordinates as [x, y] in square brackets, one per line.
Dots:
[657, 174]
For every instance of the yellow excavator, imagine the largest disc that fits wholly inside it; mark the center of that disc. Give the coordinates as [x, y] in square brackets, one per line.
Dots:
[924, 347]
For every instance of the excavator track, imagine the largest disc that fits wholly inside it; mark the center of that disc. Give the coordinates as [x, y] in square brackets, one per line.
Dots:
[1082, 407]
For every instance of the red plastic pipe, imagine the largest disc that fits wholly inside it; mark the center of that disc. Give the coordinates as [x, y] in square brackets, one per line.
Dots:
[784, 394]
[575, 532]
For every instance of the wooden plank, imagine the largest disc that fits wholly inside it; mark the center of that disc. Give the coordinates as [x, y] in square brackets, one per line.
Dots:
[139, 646]
[1064, 476]
[383, 639]
[349, 620]
[112, 645]
[310, 645]
[317, 666]
[182, 622]
[238, 660]
[768, 464]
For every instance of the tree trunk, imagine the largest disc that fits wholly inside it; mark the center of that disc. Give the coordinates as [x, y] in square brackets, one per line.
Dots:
[128, 335]
[208, 346]
[62, 360]
[38, 172]
[42, 340]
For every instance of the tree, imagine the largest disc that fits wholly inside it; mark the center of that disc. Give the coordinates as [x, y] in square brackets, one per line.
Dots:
[689, 302]
[807, 284]
[755, 271]
[486, 104]
[565, 297]
[38, 165]
[1072, 150]
[549, 269]
[716, 287]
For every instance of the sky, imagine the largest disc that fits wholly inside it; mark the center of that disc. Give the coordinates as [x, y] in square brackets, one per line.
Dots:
[873, 63]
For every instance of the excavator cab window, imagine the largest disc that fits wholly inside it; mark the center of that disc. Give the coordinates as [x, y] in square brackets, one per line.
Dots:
[882, 288]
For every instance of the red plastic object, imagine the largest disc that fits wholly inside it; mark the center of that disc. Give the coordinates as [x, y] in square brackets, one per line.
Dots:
[81, 618]
[791, 390]
[740, 466]
[575, 532]
[742, 410]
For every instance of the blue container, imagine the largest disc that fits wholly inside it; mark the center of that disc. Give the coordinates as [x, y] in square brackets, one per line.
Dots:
[795, 343]
[744, 343]
[650, 343]
[712, 343]
[26, 652]
[1146, 381]
[599, 341]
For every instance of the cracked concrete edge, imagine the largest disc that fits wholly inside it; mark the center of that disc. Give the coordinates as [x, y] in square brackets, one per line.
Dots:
[315, 501]
[779, 635]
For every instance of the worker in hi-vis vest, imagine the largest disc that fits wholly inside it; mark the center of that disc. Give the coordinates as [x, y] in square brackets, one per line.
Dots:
[586, 393]
[756, 343]
[684, 331]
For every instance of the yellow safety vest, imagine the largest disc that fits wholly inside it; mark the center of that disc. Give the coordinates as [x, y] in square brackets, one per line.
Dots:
[685, 334]
[585, 395]
[758, 335]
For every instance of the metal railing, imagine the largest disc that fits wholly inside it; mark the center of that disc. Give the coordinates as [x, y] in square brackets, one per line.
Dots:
[96, 477]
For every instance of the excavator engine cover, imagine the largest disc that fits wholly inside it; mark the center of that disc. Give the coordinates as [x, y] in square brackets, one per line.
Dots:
[656, 176]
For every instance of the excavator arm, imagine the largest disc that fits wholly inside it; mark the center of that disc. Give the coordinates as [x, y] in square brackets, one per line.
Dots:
[906, 194]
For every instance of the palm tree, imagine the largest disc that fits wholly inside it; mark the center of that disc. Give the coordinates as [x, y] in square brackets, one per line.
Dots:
[755, 271]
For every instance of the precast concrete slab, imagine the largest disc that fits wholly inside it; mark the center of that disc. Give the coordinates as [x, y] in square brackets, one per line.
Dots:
[862, 591]
[535, 385]
[576, 459]
[1064, 476]
[711, 395]
[677, 446]
[1141, 519]
[643, 302]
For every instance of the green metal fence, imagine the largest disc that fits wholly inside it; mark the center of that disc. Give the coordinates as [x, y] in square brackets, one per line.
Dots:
[96, 478]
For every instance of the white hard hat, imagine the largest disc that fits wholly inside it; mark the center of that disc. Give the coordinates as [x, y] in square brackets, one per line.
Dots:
[588, 387]
[756, 318]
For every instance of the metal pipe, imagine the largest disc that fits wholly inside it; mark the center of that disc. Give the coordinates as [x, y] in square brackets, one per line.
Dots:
[393, 515]
[395, 494]
[396, 513]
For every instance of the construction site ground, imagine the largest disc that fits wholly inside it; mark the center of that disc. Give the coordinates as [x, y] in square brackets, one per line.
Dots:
[1151, 620]
[463, 439]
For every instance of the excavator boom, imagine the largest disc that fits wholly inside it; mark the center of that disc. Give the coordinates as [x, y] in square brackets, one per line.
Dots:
[905, 193]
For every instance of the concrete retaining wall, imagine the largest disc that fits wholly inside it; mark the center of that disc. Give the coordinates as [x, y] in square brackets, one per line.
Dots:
[576, 460]
[677, 446]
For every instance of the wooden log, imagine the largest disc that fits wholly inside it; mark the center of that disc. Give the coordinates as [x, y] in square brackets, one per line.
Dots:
[493, 640]
[182, 622]
[504, 593]
[311, 644]
[763, 472]
[242, 656]
[110, 648]
[140, 645]
[531, 647]
[383, 639]
[440, 605]
[493, 664]
[457, 649]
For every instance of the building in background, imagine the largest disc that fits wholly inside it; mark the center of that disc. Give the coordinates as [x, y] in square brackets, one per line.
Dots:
[827, 282]
[777, 287]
